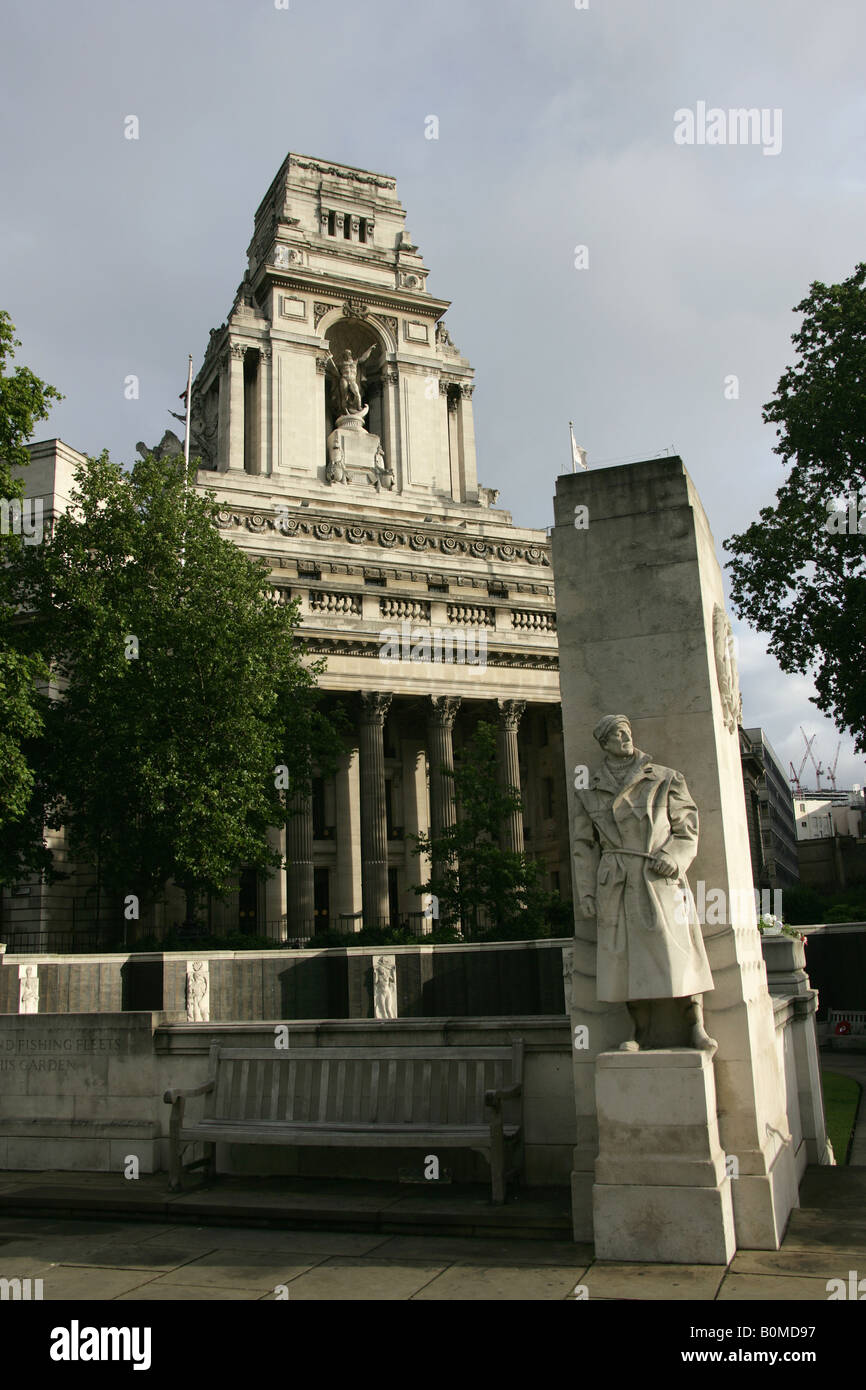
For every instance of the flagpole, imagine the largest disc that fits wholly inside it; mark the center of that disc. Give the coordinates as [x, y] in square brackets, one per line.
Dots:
[571, 437]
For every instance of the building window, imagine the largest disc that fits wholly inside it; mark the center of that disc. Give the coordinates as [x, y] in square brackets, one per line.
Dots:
[362, 229]
[547, 792]
[332, 224]
[321, 898]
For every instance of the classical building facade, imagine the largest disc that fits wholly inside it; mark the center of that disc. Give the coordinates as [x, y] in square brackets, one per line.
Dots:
[333, 415]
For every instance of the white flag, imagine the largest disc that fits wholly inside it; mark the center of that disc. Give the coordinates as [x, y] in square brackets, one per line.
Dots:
[578, 455]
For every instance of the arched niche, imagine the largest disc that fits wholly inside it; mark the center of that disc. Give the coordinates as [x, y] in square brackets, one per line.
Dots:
[357, 335]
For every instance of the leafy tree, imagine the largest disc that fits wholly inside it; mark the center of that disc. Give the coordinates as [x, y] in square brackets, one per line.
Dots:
[24, 400]
[495, 893]
[798, 573]
[182, 692]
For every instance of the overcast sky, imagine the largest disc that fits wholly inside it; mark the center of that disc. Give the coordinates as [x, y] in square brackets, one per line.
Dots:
[556, 130]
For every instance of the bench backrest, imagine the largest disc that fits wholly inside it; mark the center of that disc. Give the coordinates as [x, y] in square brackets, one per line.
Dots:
[396, 1085]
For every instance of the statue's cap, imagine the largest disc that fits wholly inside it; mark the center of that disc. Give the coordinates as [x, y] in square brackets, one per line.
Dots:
[605, 726]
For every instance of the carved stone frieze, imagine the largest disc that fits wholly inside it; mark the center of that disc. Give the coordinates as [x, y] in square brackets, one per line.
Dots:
[319, 312]
[726, 669]
[319, 528]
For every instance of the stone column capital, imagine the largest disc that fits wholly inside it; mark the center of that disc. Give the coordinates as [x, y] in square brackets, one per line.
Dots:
[374, 706]
[443, 710]
[510, 713]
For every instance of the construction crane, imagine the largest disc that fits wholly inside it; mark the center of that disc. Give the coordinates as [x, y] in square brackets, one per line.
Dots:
[795, 777]
[819, 770]
[831, 771]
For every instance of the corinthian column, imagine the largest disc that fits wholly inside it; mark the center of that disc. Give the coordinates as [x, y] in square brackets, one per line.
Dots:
[510, 714]
[440, 724]
[299, 867]
[374, 827]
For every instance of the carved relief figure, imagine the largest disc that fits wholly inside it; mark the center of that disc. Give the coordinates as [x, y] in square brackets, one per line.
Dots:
[29, 993]
[385, 987]
[197, 1002]
[635, 835]
[335, 468]
[726, 669]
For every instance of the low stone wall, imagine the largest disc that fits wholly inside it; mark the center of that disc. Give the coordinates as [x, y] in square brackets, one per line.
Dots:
[795, 1005]
[480, 981]
[77, 1092]
[86, 1093]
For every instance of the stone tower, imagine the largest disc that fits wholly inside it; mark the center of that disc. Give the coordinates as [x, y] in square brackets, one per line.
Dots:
[333, 416]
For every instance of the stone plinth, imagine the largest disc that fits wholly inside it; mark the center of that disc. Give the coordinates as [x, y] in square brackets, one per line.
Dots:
[642, 632]
[661, 1189]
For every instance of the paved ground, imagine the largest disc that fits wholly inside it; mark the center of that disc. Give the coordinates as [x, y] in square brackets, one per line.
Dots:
[143, 1260]
[96, 1237]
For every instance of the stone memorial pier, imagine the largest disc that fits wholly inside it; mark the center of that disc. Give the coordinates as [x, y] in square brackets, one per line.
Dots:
[683, 1151]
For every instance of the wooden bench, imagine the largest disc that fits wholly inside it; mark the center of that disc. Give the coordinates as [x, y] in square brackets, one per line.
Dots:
[387, 1097]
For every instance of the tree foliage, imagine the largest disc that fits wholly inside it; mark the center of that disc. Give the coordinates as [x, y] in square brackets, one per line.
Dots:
[180, 690]
[493, 892]
[24, 400]
[798, 573]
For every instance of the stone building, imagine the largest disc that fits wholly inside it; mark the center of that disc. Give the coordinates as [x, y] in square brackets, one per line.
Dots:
[770, 813]
[333, 415]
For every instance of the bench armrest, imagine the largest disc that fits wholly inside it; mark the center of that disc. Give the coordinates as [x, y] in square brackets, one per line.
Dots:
[172, 1097]
[493, 1099]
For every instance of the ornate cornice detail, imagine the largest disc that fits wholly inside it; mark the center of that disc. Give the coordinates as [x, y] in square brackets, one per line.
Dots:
[358, 647]
[334, 171]
[237, 350]
[355, 308]
[321, 529]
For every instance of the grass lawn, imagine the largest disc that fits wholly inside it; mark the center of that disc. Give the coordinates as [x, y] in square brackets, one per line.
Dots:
[841, 1098]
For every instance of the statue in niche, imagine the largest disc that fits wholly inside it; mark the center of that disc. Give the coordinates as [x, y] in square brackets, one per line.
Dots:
[385, 987]
[349, 380]
[635, 835]
[197, 1010]
[29, 1001]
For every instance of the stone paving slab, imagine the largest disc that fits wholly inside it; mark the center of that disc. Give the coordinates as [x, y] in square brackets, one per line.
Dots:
[818, 1264]
[68, 1284]
[261, 1270]
[344, 1278]
[157, 1292]
[772, 1288]
[463, 1250]
[611, 1279]
[502, 1282]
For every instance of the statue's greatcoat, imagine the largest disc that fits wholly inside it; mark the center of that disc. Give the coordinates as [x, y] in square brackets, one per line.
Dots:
[649, 938]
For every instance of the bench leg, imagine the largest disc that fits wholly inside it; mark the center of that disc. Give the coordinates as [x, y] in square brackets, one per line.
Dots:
[497, 1171]
[175, 1166]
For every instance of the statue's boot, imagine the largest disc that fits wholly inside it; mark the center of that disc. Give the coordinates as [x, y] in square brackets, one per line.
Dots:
[640, 1019]
[700, 1039]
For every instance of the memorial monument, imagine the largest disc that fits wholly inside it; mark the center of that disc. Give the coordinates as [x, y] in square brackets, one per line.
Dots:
[683, 1150]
